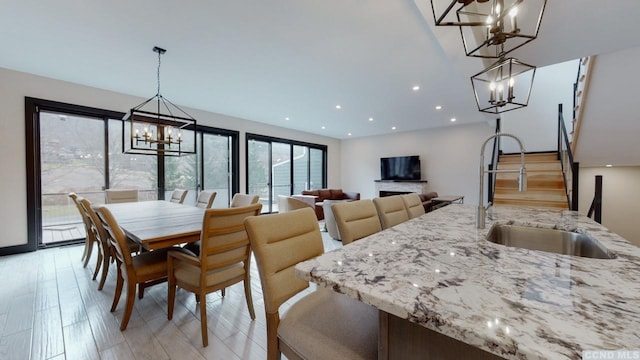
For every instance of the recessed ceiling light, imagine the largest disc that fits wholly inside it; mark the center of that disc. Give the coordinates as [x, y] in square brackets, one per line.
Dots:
[609, 165]
[393, 128]
[416, 88]
[453, 119]
[370, 119]
[438, 107]
[287, 118]
[323, 128]
[338, 107]
[349, 134]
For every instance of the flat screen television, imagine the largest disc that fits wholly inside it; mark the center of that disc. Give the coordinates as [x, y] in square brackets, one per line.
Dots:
[400, 168]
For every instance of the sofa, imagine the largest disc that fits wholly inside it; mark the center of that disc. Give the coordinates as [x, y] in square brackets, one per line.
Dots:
[427, 203]
[321, 195]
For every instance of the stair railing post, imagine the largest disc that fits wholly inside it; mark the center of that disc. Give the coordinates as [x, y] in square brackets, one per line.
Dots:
[598, 200]
[574, 185]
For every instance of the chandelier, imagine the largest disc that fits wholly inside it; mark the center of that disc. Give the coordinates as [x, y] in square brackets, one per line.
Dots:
[503, 86]
[157, 126]
[506, 26]
[491, 29]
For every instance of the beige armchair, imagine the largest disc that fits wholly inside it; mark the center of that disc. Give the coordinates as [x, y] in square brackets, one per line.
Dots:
[225, 257]
[288, 203]
[178, 196]
[115, 196]
[413, 204]
[356, 219]
[322, 324]
[241, 200]
[391, 210]
[330, 220]
[205, 199]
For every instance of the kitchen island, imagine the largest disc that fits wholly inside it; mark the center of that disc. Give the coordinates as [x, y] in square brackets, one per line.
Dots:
[439, 273]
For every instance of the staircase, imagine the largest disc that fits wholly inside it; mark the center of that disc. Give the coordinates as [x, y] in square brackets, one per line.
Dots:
[545, 182]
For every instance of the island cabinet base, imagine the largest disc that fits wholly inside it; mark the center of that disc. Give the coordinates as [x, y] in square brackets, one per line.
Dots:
[401, 339]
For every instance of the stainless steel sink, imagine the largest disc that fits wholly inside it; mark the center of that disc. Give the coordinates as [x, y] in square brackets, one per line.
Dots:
[549, 240]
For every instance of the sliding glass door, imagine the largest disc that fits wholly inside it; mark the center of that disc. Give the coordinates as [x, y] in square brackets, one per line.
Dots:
[282, 167]
[72, 158]
[72, 148]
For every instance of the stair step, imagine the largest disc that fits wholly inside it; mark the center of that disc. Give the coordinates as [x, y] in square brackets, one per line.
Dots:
[537, 204]
[529, 158]
[533, 194]
[532, 166]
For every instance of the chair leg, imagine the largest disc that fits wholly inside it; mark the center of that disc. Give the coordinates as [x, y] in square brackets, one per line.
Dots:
[105, 270]
[273, 350]
[247, 295]
[141, 287]
[89, 250]
[223, 291]
[116, 295]
[171, 299]
[203, 319]
[131, 298]
[98, 263]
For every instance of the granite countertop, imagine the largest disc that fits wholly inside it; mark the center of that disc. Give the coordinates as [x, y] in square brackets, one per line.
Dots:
[439, 271]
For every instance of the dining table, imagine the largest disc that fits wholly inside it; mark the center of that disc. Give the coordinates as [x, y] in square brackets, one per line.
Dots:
[158, 224]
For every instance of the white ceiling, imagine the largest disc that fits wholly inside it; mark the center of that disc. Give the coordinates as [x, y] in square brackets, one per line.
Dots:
[267, 60]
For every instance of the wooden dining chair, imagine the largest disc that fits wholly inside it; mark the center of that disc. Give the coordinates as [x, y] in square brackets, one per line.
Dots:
[241, 200]
[178, 196]
[205, 199]
[90, 238]
[391, 210]
[321, 325]
[225, 258]
[356, 219]
[105, 247]
[115, 196]
[143, 270]
[413, 205]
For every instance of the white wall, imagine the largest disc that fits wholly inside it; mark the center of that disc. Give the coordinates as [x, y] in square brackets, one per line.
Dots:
[449, 159]
[620, 198]
[537, 123]
[14, 86]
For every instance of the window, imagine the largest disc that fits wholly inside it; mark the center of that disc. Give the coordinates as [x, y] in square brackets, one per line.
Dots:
[283, 167]
[72, 148]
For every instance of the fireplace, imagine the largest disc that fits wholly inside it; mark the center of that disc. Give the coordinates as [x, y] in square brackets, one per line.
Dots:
[391, 187]
[391, 193]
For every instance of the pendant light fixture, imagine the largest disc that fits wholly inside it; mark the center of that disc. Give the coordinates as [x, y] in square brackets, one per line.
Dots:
[504, 86]
[157, 126]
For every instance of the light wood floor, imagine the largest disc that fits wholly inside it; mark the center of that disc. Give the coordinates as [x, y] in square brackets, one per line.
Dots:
[51, 309]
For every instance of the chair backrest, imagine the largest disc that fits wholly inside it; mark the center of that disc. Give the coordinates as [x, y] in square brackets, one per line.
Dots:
[413, 204]
[85, 220]
[205, 199]
[115, 196]
[117, 237]
[224, 240]
[288, 203]
[279, 242]
[178, 196]
[96, 227]
[356, 219]
[391, 210]
[241, 200]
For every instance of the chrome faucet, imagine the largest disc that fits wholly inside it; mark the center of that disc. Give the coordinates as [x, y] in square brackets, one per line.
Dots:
[522, 178]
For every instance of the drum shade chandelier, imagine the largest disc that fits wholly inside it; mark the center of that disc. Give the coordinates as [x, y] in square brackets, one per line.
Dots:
[157, 126]
[491, 29]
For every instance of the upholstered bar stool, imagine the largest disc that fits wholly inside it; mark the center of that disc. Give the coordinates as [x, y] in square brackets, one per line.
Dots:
[323, 324]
